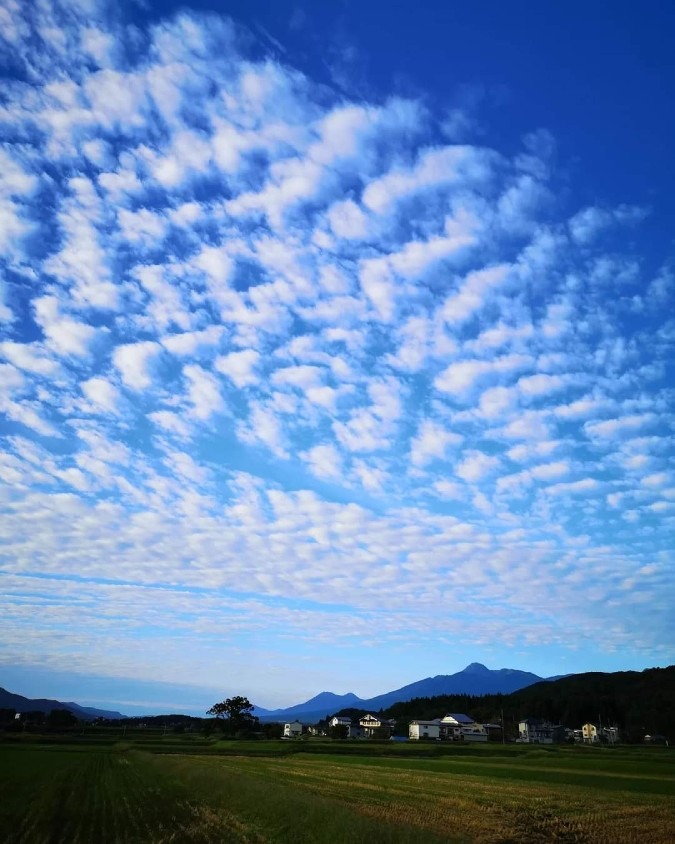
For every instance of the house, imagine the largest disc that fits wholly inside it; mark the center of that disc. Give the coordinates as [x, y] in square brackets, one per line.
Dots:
[424, 729]
[348, 727]
[293, 729]
[538, 731]
[370, 723]
[597, 734]
[340, 721]
[611, 735]
[459, 727]
[494, 732]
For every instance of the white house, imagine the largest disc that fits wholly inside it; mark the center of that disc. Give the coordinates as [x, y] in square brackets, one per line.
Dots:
[340, 721]
[350, 729]
[424, 729]
[369, 723]
[293, 729]
[459, 727]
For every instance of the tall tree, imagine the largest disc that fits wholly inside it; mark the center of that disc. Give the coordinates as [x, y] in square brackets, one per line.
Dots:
[236, 711]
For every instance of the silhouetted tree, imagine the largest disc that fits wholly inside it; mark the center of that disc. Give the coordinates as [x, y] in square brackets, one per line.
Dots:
[236, 713]
[61, 718]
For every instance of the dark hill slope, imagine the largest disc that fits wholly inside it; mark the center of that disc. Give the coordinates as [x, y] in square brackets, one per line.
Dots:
[475, 679]
[638, 702]
[9, 700]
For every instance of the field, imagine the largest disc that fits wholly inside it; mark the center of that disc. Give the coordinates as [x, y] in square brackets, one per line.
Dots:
[171, 789]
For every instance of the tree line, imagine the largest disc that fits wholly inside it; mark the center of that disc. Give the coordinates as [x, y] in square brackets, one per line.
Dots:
[639, 703]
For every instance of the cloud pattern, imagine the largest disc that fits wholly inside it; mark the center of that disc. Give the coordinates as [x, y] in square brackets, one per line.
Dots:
[281, 365]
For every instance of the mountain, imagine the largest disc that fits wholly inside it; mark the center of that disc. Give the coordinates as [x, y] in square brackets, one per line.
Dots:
[475, 679]
[325, 702]
[9, 700]
[85, 712]
[638, 702]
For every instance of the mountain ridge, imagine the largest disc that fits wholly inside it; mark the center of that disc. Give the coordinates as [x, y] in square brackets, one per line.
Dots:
[11, 700]
[475, 679]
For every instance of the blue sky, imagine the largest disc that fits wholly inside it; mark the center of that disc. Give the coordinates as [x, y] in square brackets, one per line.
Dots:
[336, 346]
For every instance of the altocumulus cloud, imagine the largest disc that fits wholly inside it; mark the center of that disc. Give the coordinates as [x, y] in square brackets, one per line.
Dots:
[285, 366]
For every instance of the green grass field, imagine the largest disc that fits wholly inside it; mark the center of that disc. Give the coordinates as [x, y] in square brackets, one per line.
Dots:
[76, 791]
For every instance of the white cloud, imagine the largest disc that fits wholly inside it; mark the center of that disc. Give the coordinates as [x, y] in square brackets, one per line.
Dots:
[264, 428]
[64, 335]
[529, 425]
[189, 342]
[328, 397]
[581, 408]
[500, 335]
[548, 471]
[460, 377]
[82, 264]
[378, 284]
[171, 422]
[27, 356]
[120, 184]
[166, 306]
[615, 428]
[134, 361]
[142, 227]
[347, 220]
[435, 168]
[371, 477]
[586, 224]
[302, 377]
[449, 489]
[417, 256]
[584, 485]
[28, 416]
[215, 262]
[658, 479]
[476, 465]
[495, 402]
[240, 367]
[529, 451]
[541, 384]
[372, 428]
[432, 442]
[474, 293]
[15, 181]
[324, 461]
[203, 392]
[102, 394]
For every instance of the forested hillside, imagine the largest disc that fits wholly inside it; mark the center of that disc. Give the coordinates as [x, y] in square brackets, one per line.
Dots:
[637, 702]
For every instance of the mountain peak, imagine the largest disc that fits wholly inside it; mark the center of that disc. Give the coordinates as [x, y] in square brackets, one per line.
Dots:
[476, 668]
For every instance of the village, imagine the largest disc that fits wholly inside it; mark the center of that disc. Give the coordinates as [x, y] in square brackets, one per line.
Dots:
[458, 727]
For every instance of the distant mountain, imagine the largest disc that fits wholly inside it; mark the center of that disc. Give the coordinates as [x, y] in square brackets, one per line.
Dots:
[475, 679]
[637, 702]
[325, 702]
[92, 712]
[9, 700]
